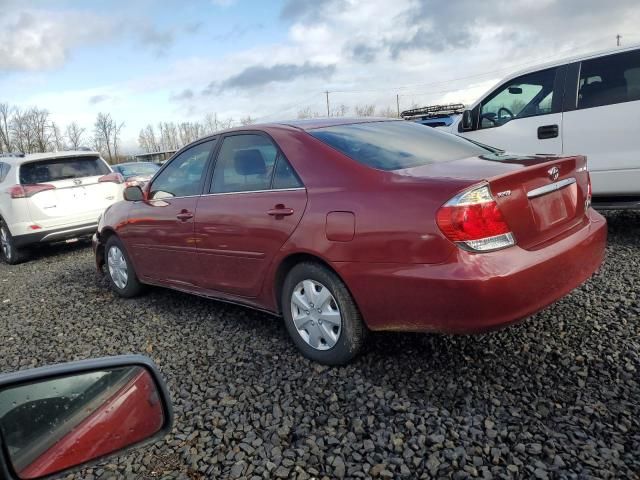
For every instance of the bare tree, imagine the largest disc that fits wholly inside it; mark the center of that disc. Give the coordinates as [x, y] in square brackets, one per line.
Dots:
[247, 121]
[21, 131]
[104, 132]
[74, 135]
[116, 140]
[340, 111]
[211, 124]
[38, 121]
[387, 112]
[365, 110]
[5, 122]
[307, 113]
[57, 139]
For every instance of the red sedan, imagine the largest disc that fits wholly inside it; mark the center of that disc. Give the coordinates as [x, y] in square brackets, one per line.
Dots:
[345, 226]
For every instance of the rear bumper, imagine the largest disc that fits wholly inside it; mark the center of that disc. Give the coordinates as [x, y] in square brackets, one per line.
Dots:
[55, 235]
[98, 251]
[475, 292]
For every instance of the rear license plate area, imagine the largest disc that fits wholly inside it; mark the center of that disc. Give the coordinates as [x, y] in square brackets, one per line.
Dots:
[555, 208]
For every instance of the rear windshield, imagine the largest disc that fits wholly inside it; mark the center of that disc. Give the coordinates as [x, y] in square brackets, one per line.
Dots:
[395, 145]
[61, 169]
[138, 169]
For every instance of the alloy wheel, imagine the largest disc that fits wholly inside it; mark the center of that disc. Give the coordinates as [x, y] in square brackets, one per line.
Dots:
[117, 265]
[4, 243]
[316, 314]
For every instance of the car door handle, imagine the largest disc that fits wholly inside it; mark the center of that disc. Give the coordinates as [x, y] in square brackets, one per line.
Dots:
[280, 211]
[184, 215]
[548, 131]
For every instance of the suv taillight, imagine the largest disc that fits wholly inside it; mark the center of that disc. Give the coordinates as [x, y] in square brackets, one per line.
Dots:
[473, 221]
[112, 177]
[26, 191]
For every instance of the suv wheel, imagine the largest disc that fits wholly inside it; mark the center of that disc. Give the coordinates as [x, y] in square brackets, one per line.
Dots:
[321, 316]
[8, 251]
[120, 273]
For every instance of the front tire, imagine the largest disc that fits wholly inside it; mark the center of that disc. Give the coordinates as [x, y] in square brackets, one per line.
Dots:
[321, 315]
[120, 273]
[8, 250]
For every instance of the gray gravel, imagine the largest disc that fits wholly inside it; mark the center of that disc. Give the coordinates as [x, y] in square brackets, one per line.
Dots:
[557, 396]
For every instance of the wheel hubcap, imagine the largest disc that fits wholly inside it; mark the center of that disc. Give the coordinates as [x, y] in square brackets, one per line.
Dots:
[316, 314]
[117, 267]
[4, 243]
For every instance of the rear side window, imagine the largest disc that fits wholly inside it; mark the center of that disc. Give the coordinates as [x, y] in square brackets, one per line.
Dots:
[4, 171]
[62, 169]
[609, 80]
[395, 145]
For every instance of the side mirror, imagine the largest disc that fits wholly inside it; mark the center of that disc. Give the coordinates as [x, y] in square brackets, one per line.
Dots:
[64, 416]
[467, 120]
[133, 194]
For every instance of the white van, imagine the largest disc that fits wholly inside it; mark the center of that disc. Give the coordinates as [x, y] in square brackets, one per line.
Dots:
[584, 105]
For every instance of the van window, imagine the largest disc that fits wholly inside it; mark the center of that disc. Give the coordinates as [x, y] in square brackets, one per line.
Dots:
[609, 80]
[526, 96]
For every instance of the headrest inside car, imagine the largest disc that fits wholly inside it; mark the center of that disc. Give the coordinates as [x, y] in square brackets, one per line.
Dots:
[249, 162]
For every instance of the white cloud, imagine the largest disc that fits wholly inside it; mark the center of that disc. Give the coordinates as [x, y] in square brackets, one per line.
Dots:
[41, 40]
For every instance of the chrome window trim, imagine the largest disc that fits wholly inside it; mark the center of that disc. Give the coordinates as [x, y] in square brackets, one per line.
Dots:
[255, 191]
[552, 187]
[230, 193]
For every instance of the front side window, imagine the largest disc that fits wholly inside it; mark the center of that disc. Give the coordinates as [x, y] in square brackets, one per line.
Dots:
[609, 80]
[245, 164]
[526, 96]
[183, 176]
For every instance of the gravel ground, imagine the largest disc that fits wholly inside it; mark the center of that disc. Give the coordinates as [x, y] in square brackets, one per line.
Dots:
[557, 396]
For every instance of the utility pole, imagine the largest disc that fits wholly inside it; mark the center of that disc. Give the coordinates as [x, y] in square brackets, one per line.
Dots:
[618, 37]
[398, 103]
[327, 94]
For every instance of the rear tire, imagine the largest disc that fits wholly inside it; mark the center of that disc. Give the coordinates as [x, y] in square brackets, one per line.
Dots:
[8, 251]
[330, 331]
[120, 273]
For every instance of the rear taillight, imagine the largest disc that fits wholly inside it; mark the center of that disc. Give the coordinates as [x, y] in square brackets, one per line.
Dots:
[26, 191]
[112, 177]
[473, 220]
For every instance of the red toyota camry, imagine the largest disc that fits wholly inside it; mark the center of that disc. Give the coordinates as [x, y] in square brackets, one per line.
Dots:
[345, 226]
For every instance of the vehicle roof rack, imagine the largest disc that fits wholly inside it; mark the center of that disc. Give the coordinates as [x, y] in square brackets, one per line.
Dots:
[433, 111]
[12, 154]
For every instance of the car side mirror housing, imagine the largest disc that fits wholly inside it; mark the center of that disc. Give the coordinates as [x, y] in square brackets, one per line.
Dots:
[133, 194]
[61, 417]
[466, 123]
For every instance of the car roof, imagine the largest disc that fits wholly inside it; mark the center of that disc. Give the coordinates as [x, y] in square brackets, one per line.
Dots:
[30, 157]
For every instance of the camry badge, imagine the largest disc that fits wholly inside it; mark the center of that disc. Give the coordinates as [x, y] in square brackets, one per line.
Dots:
[554, 173]
[506, 193]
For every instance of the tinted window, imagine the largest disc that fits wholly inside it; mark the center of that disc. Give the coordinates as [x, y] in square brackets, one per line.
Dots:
[526, 96]
[284, 176]
[4, 171]
[135, 169]
[609, 80]
[61, 169]
[245, 163]
[395, 145]
[183, 176]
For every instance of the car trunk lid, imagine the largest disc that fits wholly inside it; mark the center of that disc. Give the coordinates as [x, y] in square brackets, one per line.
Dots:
[540, 197]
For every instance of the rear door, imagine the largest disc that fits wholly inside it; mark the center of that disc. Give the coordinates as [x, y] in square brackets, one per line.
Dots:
[78, 195]
[255, 201]
[601, 119]
[160, 230]
[524, 114]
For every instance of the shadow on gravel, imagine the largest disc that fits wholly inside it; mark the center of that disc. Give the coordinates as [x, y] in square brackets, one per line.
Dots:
[50, 251]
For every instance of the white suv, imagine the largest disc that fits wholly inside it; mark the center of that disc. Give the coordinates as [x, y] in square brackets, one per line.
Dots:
[583, 105]
[52, 197]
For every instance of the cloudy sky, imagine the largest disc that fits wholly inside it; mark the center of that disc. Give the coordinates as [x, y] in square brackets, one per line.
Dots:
[146, 61]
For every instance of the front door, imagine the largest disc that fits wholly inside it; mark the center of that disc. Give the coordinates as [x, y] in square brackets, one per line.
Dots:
[254, 204]
[523, 115]
[160, 230]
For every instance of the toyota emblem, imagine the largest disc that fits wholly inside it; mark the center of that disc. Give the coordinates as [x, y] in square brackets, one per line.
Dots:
[77, 182]
[554, 173]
